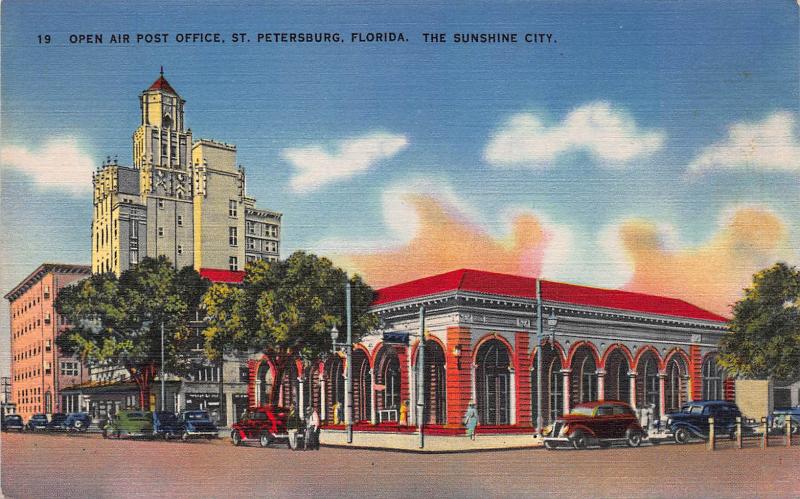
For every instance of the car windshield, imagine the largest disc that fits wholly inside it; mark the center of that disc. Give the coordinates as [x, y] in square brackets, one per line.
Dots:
[199, 415]
[13, 418]
[167, 417]
[582, 411]
[136, 415]
[259, 416]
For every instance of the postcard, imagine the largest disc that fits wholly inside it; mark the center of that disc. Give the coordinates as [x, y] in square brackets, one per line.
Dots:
[392, 249]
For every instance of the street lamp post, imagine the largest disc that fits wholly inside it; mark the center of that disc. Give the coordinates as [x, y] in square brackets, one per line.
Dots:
[421, 378]
[539, 351]
[347, 346]
[163, 392]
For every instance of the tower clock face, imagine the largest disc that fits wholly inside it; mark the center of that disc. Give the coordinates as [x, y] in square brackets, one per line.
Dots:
[164, 182]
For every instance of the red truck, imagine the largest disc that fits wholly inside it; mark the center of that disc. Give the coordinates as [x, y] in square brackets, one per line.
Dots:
[264, 424]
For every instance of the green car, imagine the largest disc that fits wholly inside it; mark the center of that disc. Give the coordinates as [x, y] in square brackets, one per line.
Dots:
[129, 424]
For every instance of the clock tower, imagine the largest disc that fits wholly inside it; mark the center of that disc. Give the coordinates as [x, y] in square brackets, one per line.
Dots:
[162, 153]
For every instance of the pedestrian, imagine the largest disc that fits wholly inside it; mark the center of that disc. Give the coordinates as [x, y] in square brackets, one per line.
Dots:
[292, 426]
[404, 413]
[338, 413]
[471, 419]
[311, 440]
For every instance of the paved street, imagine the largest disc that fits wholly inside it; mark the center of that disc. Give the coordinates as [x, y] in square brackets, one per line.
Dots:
[88, 466]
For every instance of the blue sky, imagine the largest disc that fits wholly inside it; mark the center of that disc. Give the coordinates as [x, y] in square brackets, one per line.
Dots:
[702, 97]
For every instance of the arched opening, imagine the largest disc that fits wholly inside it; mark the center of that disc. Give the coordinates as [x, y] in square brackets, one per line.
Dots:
[583, 378]
[713, 375]
[647, 389]
[435, 384]
[492, 383]
[362, 386]
[676, 387]
[388, 381]
[264, 380]
[288, 394]
[617, 380]
[334, 396]
[552, 386]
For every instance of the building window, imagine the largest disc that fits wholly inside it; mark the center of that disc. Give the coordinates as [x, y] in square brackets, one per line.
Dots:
[134, 257]
[134, 230]
[232, 208]
[180, 220]
[47, 368]
[208, 373]
[161, 232]
[233, 238]
[47, 318]
[69, 368]
[46, 291]
[250, 228]
[48, 345]
[161, 203]
[233, 263]
[251, 243]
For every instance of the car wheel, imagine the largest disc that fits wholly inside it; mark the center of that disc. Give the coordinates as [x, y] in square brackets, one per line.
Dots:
[185, 436]
[579, 440]
[634, 438]
[681, 436]
[167, 435]
[549, 445]
[264, 440]
[236, 438]
[105, 433]
[77, 425]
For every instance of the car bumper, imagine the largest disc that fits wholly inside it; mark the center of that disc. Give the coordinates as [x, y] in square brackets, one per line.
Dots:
[555, 441]
[200, 434]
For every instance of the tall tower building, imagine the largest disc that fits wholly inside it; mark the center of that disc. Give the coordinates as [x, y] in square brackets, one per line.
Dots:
[182, 199]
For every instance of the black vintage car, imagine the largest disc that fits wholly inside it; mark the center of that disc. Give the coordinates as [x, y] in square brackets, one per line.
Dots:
[57, 422]
[37, 422]
[167, 425]
[13, 422]
[77, 421]
[692, 421]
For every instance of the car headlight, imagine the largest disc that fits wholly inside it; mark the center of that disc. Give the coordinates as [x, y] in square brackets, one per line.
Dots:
[564, 430]
[547, 430]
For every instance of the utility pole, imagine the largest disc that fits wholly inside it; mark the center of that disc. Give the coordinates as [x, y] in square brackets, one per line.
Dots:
[421, 378]
[539, 352]
[163, 393]
[348, 381]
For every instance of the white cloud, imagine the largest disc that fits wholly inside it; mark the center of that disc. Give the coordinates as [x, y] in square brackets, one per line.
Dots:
[316, 166]
[607, 133]
[58, 164]
[771, 144]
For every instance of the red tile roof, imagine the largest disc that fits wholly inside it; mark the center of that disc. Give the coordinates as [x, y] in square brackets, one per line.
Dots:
[222, 275]
[162, 84]
[525, 287]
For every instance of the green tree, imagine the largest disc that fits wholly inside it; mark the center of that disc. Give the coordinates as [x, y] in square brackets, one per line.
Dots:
[764, 337]
[224, 333]
[118, 321]
[290, 306]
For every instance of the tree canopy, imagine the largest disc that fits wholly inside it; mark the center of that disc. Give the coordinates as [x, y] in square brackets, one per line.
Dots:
[118, 320]
[764, 337]
[286, 309]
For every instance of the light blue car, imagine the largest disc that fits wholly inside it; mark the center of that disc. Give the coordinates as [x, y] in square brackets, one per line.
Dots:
[779, 419]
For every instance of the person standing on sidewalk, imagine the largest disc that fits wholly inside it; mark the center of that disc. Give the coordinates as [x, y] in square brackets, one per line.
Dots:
[311, 440]
[471, 419]
[292, 426]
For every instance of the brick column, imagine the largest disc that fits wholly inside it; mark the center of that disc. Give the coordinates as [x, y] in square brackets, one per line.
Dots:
[459, 379]
[252, 372]
[695, 372]
[402, 357]
[523, 379]
[567, 390]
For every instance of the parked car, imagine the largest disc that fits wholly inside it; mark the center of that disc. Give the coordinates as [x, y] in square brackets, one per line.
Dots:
[692, 420]
[129, 424]
[602, 423]
[12, 422]
[779, 419]
[37, 422]
[57, 422]
[77, 421]
[264, 424]
[198, 424]
[167, 425]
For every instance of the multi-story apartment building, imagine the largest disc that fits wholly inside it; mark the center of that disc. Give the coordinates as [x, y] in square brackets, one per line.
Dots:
[182, 199]
[38, 369]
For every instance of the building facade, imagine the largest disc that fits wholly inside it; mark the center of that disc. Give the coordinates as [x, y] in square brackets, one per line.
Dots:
[182, 199]
[481, 344]
[39, 370]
